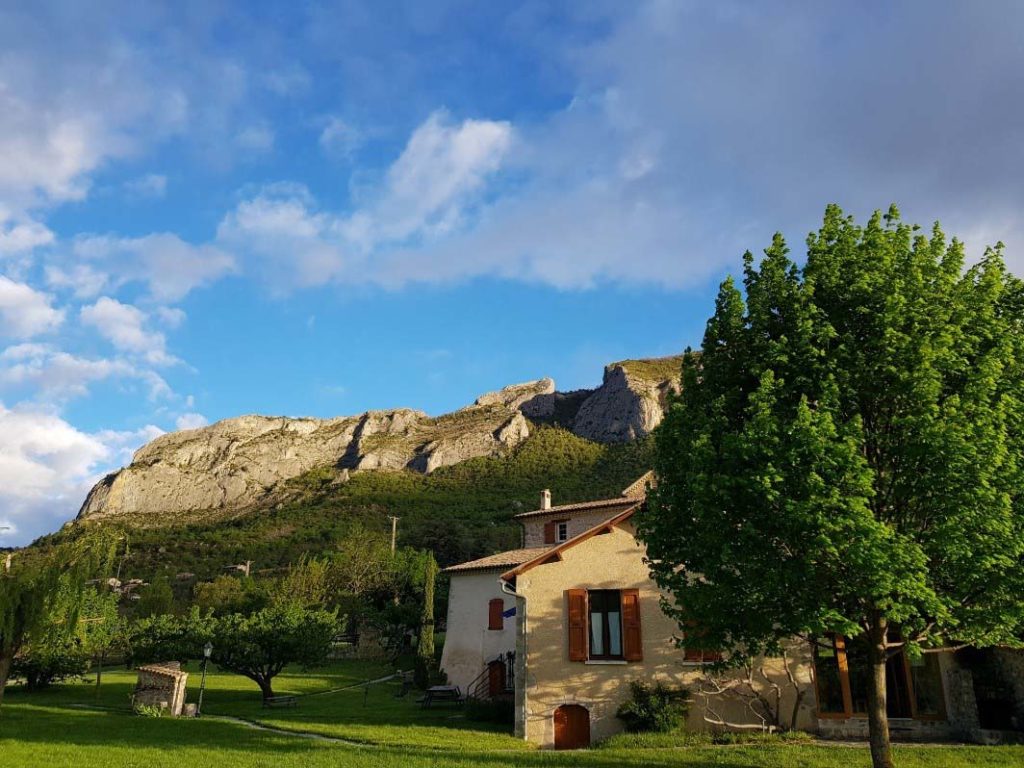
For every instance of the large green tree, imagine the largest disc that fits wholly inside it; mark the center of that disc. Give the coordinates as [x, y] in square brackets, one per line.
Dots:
[44, 586]
[261, 644]
[80, 627]
[846, 453]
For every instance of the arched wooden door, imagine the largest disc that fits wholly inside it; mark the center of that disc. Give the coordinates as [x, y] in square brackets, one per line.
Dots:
[496, 677]
[572, 727]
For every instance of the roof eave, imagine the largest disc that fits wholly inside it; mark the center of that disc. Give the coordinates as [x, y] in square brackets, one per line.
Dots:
[578, 539]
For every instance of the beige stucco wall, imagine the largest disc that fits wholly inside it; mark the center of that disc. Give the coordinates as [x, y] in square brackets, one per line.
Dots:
[579, 522]
[607, 561]
[469, 644]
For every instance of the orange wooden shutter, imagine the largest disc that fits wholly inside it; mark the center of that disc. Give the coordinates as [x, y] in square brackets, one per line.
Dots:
[632, 641]
[549, 532]
[576, 601]
[494, 610]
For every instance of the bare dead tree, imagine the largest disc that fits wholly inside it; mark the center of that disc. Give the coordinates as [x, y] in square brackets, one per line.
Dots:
[756, 692]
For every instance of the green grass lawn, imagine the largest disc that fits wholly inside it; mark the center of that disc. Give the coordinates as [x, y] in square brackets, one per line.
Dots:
[52, 728]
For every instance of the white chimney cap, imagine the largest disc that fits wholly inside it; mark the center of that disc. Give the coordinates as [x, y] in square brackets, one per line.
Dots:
[545, 499]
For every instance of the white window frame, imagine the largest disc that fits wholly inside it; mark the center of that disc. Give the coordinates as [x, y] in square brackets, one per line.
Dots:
[562, 531]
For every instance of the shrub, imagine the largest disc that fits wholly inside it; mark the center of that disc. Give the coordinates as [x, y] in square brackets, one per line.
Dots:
[658, 708]
[500, 711]
[45, 663]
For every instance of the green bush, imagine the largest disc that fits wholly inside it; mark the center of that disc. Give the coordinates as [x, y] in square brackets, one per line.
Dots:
[657, 708]
[500, 711]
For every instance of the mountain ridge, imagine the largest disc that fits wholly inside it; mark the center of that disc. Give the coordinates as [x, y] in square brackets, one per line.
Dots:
[220, 470]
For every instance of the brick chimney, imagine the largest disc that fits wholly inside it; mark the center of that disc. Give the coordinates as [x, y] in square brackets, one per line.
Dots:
[545, 499]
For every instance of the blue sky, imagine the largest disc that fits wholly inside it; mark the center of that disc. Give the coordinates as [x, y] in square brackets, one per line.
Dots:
[217, 208]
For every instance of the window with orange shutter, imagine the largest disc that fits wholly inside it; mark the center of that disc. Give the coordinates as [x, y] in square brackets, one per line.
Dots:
[604, 625]
[496, 608]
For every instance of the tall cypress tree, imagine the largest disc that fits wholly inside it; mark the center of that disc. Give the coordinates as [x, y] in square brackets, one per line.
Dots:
[847, 452]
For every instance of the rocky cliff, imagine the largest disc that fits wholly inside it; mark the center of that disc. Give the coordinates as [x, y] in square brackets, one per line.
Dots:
[240, 462]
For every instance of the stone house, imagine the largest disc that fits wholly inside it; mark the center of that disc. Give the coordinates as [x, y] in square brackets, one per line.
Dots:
[564, 624]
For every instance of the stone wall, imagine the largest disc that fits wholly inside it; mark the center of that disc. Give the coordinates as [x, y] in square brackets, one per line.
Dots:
[1011, 666]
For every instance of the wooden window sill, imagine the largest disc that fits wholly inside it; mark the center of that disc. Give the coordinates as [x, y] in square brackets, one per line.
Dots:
[606, 661]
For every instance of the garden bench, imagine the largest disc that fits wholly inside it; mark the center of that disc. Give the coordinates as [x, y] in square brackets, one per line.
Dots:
[281, 701]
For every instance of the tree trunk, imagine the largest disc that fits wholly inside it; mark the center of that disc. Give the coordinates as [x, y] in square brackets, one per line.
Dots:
[265, 687]
[878, 717]
[5, 671]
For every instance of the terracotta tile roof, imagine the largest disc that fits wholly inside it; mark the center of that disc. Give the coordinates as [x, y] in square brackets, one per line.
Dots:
[508, 559]
[638, 488]
[581, 506]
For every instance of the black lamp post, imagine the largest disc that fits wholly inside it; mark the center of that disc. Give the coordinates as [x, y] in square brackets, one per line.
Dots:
[207, 650]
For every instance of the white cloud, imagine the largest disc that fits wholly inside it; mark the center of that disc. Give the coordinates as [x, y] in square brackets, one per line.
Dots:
[172, 317]
[54, 374]
[256, 138]
[191, 421]
[82, 280]
[47, 466]
[427, 192]
[434, 178]
[122, 444]
[26, 312]
[291, 244]
[290, 80]
[151, 185]
[339, 139]
[40, 451]
[124, 326]
[21, 234]
[168, 265]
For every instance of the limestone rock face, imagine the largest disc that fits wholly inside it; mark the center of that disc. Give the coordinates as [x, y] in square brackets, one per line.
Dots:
[234, 464]
[630, 401]
[516, 395]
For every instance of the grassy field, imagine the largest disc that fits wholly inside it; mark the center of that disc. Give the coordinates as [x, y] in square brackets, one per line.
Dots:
[72, 725]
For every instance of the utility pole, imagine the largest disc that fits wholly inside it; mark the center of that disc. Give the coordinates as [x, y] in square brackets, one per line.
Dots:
[394, 532]
[394, 539]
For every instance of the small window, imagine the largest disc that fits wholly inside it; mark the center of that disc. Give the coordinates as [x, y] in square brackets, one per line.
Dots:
[605, 624]
[563, 530]
[495, 609]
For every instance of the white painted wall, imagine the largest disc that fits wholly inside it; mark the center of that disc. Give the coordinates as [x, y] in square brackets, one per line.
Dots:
[469, 644]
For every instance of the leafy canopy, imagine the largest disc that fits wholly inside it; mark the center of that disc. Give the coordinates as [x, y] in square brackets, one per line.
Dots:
[846, 452]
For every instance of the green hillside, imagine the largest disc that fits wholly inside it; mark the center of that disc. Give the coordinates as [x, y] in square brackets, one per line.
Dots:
[460, 512]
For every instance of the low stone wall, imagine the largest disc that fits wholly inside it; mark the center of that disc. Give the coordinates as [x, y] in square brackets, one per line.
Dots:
[162, 686]
[856, 729]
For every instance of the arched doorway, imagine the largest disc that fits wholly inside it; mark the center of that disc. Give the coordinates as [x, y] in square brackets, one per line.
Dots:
[572, 727]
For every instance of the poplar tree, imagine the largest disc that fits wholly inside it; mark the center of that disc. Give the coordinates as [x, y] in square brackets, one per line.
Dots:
[846, 453]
